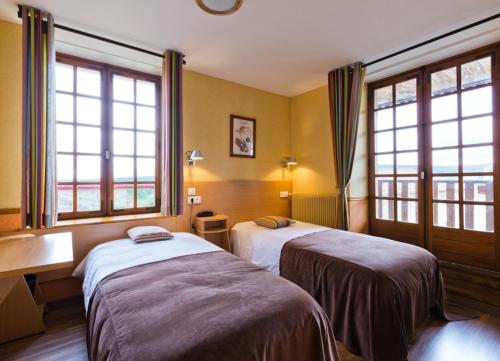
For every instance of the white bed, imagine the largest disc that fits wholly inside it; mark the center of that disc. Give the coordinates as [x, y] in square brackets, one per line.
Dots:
[110, 257]
[262, 246]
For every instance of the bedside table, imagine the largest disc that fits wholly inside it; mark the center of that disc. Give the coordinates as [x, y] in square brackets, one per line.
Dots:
[214, 225]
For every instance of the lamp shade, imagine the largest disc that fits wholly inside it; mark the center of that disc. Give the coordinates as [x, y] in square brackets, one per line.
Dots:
[196, 155]
[291, 161]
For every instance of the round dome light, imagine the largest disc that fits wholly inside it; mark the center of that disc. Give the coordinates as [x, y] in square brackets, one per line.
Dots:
[219, 7]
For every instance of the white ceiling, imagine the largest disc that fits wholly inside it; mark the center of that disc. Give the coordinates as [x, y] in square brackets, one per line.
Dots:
[283, 46]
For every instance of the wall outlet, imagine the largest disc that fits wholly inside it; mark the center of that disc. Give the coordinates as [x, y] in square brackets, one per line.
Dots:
[191, 191]
[194, 199]
[284, 194]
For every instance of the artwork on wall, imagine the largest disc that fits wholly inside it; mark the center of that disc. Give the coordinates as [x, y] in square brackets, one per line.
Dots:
[242, 137]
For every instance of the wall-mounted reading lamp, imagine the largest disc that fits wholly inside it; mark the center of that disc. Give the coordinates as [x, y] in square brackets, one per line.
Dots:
[193, 155]
[289, 162]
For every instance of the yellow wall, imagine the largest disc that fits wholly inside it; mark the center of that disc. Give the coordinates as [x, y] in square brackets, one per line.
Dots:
[311, 143]
[208, 102]
[10, 114]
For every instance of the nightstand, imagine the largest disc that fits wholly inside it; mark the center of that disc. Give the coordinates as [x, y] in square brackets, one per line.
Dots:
[207, 227]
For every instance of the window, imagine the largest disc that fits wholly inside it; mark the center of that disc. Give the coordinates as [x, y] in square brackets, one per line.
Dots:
[432, 152]
[107, 139]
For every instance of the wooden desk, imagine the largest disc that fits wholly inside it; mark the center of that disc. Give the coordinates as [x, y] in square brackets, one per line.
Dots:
[21, 313]
[216, 224]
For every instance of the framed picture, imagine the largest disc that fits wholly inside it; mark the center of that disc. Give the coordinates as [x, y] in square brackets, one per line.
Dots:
[242, 137]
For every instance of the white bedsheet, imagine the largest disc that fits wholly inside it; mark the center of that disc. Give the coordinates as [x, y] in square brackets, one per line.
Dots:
[110, 257]
[262, 246]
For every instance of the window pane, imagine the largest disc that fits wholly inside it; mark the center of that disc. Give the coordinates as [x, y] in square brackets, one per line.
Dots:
[406, 115]
[384, 142]
[478, 189]
[445, 134]
[407, 187]
[123, 142]
[146, 143]
[64, 168]
[444, 108]
[64, 107]
[407, 163]
[123, 88]
[444, 81]
[478, 159]
[383, 97]
[384, 187]
[146, 118]
[445, 188]
[407, 139]
[64, 140]
[408, 211]
[478, 218]
[123, 196]
[88, 82]
[123, 169]
[445, 161]
[476, 73]
[384, 164]
[146, 169]
[88, 111]
[145, 195]
[64, 77]
[445, 215]
[477, 101]
[146, 92]
[88, 139]
[406, 91]
[88, 168]
[123, 115]
[88, 197]
[64, 198]
[477, 130]
[385, 209]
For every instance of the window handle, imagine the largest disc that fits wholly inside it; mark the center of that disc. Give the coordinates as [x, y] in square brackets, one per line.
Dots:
[422, 175]
[106, 154]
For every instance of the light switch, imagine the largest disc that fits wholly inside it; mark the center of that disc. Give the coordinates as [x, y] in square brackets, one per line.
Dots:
[284, 194]
[191, 191]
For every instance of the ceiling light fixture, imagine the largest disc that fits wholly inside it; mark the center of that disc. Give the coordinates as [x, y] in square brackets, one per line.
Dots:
[220, 7]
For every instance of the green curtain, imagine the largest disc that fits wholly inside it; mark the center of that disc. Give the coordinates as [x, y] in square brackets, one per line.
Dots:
[345, 86]
[38, 204]
[172, 148]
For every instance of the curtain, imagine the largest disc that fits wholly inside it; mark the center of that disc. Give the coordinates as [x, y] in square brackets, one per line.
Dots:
[38, 204]
[344, 87]
[172, 148]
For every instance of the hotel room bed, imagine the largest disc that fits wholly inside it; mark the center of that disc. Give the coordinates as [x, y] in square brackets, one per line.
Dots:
[186, 299]
[374, 290]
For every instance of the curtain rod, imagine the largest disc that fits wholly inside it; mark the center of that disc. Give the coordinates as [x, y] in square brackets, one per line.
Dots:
[423, 43]
[101, 38]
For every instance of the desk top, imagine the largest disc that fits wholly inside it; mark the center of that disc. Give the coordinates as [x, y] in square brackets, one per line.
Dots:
[22, 255]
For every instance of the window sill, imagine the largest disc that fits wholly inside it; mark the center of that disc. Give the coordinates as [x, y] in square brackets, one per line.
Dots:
[108, 219]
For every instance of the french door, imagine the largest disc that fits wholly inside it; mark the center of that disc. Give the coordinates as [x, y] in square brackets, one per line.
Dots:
[433, 181]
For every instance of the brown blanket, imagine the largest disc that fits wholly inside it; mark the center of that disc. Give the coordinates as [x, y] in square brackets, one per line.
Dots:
[211, 306]
[374, 290]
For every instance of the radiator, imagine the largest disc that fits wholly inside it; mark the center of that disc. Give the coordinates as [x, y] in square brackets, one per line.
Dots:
[315, 208]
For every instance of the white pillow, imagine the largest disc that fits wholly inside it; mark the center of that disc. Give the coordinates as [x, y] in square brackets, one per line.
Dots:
[149, 234]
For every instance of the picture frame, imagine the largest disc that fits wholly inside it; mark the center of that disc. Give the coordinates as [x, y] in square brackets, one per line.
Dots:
[242, 135]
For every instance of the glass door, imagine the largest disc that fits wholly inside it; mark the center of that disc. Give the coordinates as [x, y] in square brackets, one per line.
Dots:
[460, 152]
[397, 160]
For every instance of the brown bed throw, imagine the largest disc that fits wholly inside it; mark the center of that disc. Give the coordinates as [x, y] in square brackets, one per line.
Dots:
[210, 306]
[374, 290]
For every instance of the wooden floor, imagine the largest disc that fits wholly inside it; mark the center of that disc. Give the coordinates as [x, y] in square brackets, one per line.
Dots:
[436, 340]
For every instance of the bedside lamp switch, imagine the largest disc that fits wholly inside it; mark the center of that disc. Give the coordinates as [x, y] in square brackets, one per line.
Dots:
[191, 191]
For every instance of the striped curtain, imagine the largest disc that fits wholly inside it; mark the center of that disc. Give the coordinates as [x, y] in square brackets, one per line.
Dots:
[38, 204]
[344, 87]
[172, 148]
